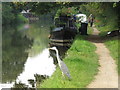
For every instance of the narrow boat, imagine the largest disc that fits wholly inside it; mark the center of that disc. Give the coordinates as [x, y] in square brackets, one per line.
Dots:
[64, 31]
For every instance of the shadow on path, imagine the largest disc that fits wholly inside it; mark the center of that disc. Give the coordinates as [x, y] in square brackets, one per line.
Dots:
[107, 76]
[95, 39]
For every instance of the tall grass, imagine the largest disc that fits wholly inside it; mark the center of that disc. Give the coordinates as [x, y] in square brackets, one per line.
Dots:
[90, 29]
[82, 62]
[113, 44]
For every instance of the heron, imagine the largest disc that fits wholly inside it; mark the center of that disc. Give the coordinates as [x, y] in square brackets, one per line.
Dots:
[62, 65]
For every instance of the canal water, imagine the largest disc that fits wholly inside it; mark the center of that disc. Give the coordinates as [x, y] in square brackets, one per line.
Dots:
[25, 53]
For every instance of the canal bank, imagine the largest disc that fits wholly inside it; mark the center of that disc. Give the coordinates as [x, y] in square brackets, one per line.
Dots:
[82, 63]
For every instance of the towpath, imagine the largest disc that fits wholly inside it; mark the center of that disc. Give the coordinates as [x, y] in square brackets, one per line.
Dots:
[107, 76]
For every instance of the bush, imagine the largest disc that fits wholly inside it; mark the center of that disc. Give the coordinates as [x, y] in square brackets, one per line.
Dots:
[21, 18]
[11, 15]
[7, 15]
[66, 12]
[105, 14]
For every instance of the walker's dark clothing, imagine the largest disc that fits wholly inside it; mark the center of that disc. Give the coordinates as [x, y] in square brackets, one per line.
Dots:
[83, 28]
[91, 20]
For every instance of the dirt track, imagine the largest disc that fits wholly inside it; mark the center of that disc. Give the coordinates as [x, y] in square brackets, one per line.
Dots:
[107, 76]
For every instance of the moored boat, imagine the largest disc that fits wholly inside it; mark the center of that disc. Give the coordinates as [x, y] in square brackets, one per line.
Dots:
[64, 31]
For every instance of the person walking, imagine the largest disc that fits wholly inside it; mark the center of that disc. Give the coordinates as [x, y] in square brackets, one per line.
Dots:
[82, 18]
[91, 20]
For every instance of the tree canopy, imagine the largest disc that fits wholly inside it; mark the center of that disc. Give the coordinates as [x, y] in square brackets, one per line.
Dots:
[107, 12]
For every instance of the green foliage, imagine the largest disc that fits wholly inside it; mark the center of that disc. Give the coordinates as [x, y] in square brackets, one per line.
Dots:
[12, 9]
[106, 14]
[41, 8]
[82, 63]
[90, 30]
[7, 15]
[46, 7]
[11, 13]
[20, 18]
[66, 11]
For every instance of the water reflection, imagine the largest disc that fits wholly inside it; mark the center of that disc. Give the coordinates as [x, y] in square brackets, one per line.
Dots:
[14, 54]
[36, 69]
[24, 54]
[39, 32]
[41, 64]
[26, 59]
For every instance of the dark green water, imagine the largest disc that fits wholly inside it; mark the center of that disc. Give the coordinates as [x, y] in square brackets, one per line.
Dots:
[20, 42]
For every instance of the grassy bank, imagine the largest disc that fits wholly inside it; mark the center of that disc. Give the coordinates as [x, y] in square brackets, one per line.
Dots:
[82, 63]
[112, 45]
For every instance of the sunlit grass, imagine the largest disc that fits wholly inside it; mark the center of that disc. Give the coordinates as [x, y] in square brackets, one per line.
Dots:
[82, 62]
[90, 30]
[112, 45]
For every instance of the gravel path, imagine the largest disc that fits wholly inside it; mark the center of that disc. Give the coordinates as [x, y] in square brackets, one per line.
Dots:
[107, 76]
